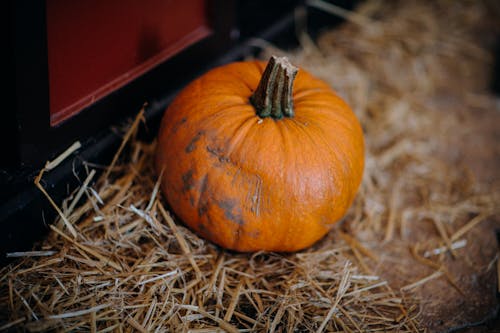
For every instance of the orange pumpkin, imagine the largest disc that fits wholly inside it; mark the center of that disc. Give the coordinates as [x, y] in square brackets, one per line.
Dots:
[251, 165]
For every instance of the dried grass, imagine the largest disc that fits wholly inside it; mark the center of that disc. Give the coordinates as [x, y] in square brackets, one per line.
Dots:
[116, 260]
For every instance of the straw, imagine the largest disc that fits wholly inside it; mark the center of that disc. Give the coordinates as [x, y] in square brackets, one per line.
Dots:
[120, 261]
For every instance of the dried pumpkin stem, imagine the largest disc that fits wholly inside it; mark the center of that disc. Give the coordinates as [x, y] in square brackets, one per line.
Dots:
[273, 96]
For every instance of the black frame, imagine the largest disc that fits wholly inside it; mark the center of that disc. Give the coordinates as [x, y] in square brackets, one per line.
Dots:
[35, 139]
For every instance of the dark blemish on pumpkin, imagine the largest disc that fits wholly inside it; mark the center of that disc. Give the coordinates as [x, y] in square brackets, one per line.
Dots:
[192, 144]
[204, 184]
[231, 211]
[218, 153]
[202, 208]
[179, 124]
[204, 197]
[187, 181]
[205, 230]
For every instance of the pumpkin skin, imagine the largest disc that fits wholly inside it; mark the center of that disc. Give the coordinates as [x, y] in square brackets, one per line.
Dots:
[249, 183]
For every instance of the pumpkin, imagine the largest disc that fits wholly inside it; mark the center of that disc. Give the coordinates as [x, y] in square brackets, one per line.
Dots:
[257, 157]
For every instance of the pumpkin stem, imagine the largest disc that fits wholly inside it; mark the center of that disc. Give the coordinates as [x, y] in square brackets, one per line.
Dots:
[273, 96]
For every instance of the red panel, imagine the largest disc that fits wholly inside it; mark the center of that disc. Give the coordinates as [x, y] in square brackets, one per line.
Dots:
[95, 46]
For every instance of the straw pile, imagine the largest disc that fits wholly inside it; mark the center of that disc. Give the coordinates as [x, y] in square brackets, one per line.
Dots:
[416, 74]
